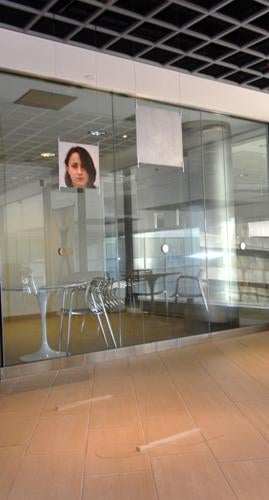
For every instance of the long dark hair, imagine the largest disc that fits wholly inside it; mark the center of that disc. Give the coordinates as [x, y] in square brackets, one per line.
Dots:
[86, 162]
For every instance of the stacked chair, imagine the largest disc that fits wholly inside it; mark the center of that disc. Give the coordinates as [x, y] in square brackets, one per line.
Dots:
[100, 297]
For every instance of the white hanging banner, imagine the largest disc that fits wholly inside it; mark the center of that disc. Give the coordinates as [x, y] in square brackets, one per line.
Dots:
[159, 136]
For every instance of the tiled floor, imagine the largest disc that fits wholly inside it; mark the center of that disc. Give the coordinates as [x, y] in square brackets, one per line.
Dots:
[89, 452]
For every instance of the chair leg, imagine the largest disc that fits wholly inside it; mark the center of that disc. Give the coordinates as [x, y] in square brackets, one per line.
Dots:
[62, 320]
[108, 322]
[102, 329]
[68, 338]
[82, 323]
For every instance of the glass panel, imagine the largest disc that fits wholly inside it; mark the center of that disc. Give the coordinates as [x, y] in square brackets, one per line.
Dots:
[52, 238]
[220, 219]
[167, 252]
[236, 193]
[161, 206]
[250, 188]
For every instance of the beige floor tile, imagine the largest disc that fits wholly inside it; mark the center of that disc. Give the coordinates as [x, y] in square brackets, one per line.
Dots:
[115, 368]
[205, 387]
[249, 479]
[146, 364]
[188, 375]
[190, 477]
[160, 403]
[114, 451]
[16, 429]
[10, 459]
[205, 406]
[154, 384]
[262, 377]
[216, 364]
[39, 380]
[60, 434]
[72, 375]
[166, 426]
[244, 389]
[54, 478]
[113, 385]
[257, 412]
[134, 486]
[114, 412]
[6, 385]
[31, 401]
[234, 438]
[245, 358]
[65, 394]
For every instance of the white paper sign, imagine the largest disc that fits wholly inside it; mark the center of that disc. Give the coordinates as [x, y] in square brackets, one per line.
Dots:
[159, 136]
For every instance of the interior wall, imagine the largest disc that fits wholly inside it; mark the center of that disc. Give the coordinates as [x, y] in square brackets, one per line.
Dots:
[49, 59]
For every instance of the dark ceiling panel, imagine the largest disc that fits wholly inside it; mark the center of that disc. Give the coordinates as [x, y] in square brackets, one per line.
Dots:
[241, 59]
[262, 66]
[242, 9]
[151, 32]
[114, 21]
[241, 36]
[261, 83]
[92, 37]
[35, 4]
[262, 22]
[14, 17]
[215, 70]
[188, 63]
[159, 55]
[211, 26]
[239, 77]
[214, 50]
[141, 7]
[184, 42]
[79, 11]
[129, 47]
[221, 39]
[177, 15]
[262, 46]
[52, 27]
[206, 4]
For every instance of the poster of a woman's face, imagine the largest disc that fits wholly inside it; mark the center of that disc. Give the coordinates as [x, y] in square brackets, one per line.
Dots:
[78, 165]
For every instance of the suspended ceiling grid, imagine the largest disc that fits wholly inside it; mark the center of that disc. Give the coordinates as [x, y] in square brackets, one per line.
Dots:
[227, 40]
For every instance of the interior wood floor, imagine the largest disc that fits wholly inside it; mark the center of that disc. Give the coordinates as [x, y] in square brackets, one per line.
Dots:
[220, 388]
[23, 335]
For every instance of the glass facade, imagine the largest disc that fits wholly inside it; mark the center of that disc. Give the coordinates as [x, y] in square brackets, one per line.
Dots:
[184, 250]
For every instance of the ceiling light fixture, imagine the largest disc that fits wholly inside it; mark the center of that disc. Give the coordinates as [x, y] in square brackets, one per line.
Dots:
[47, 154]
[97, 133]
[124, 136]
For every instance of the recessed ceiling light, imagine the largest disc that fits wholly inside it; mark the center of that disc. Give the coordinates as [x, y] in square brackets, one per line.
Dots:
[96, 133]
[47, 154]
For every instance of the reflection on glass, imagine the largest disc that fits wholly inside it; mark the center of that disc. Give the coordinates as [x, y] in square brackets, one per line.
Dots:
[205, 282]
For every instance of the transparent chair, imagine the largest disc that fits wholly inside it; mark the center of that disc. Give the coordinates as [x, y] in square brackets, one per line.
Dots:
[190, 287]
[100, 298]
[28, 282]
[141, 285]
[71, 297]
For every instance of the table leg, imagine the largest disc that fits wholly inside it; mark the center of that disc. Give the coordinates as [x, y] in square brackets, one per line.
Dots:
[45, 351]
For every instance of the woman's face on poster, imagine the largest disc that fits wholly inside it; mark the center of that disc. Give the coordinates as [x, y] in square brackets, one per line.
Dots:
[79, 175]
